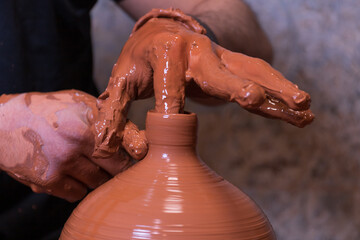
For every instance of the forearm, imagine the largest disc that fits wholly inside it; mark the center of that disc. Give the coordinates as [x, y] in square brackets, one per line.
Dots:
[232, 21]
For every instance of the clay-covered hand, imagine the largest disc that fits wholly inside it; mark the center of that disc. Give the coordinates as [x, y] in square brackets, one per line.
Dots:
[169, 51]
[47, 141]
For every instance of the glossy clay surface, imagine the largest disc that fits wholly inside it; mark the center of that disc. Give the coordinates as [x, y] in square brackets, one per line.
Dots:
[170, 194]
[168, 56]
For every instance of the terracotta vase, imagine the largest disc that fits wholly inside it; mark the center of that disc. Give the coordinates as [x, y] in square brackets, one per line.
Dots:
[170, 194]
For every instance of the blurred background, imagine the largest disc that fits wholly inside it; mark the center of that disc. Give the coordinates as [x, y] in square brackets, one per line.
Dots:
[307, 181]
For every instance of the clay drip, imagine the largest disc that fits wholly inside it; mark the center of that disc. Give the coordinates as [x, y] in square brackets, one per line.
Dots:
[170, 194]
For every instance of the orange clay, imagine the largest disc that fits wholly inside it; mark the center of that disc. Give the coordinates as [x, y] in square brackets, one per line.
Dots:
[171, 194]
[167, 52]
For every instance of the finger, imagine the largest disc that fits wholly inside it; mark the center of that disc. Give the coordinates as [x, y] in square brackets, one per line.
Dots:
[116, 164]
[126, 84]
[36, 188]
[67, 188]
[273, 108]
[22, 180]
[134, 141]
[215, 80]
[169, 78]
[87, 172]
[63, 187]
[111, 118]
[264, 75]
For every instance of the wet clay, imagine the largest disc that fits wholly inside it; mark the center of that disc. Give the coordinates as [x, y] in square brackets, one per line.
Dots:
[29, 159]
[167, 52]
[170, 194]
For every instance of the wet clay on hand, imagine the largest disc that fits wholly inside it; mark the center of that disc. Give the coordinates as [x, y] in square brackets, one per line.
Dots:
[46, 142]
[169, 51]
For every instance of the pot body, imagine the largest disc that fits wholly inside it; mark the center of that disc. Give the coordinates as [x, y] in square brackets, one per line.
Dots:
[170, 194]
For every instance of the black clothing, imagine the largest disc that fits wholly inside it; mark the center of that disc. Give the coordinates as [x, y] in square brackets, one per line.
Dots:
[45, 45]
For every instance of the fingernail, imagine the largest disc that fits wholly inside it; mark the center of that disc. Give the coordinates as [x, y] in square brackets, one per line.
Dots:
[300, 97]
[90, 116]
[36, 189]
[99, 103]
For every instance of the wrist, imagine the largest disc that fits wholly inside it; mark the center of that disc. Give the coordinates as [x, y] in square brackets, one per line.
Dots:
[171, 13]
[209, 32]
[190, 21]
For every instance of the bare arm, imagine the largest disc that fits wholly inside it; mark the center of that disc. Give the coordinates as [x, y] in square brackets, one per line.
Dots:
[232, 21]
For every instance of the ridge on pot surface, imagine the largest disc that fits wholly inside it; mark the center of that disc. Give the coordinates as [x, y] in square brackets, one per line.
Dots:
[170, 194]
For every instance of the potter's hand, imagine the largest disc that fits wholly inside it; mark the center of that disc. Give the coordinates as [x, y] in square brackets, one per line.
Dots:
[46, 142]
[168, 51]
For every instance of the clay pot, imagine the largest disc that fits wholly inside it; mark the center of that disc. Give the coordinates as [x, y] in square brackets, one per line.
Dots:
[170, 194]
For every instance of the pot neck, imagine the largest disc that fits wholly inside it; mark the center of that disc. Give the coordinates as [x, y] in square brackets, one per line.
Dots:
[171, 130]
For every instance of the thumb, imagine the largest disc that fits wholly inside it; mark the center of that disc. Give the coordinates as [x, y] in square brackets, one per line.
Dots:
[134, 141]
